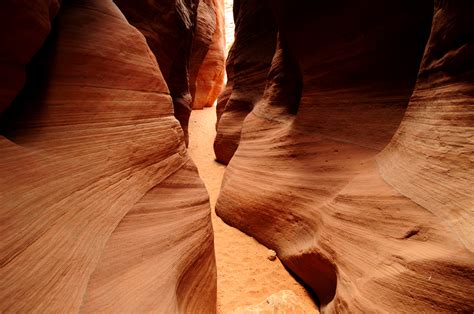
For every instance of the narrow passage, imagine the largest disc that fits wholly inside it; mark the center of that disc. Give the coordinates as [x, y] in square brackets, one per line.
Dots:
[245, 275]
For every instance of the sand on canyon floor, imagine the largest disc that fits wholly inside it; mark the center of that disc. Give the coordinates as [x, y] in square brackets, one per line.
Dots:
[245, 275]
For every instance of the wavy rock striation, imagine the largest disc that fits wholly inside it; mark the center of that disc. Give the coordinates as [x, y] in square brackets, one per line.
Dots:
[188, 41]
[208, 55]
[101, 207]
[26, 24]
[247, 66]
[369, 227]
[168, 27]
[429, 159]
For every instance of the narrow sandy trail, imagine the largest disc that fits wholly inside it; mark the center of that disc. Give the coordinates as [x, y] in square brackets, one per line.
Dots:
[245, 276]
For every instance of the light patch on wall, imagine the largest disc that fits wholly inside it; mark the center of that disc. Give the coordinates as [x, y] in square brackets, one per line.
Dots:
[229, 24]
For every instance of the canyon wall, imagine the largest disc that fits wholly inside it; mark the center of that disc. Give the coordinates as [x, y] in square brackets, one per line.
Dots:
[356, 164]
[102, 209]
[247, 66]
[208, 55]
[168, 27]
[429, 159]
[31, 20]
[188, 42]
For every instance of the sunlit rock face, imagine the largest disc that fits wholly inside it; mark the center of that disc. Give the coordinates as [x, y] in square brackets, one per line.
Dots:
[102, 210]
[354, 166]
[229, 23]
[208, 54]
[247, 65]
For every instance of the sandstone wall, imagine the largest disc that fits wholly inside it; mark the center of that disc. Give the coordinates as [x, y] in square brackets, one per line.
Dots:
[25, 26]
[367, 228]
[101, 207]
[188, 42]
[208, 55]
[247, 66]
[168, 27]
[429, 159]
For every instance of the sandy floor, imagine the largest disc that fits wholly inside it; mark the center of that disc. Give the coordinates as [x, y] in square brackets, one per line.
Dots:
[245, 276]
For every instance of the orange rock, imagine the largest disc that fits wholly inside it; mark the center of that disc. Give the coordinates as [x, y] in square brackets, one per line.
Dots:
[247, 67]
[168, 27]
[25, 25]
[429, 159]
[102, 209]
[207, 59]
[367, 228]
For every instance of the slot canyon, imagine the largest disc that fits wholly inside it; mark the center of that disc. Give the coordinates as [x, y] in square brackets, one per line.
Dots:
[245, 156]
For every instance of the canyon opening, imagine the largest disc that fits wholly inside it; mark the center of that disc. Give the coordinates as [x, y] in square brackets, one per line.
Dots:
[247, 156]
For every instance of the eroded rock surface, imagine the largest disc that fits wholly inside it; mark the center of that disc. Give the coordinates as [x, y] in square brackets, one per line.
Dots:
[188, 42]
[367, 228]
[247, 65]
[25, 25]
[208, 55]
[101, 207]
[429, 159]
[168, 27]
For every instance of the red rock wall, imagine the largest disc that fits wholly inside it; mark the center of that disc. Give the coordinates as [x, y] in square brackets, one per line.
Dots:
[247, 67]
[188, 42]
[208, 55]
[25, 24]
[206, 26]
[168, 27]
[429, 159]
[305, 182]
[102, 210]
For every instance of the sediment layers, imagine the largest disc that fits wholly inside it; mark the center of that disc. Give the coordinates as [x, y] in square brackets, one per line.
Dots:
[102, 209]
[369, 227]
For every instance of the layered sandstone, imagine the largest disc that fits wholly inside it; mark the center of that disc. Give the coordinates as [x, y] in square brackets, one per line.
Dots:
[168, 27]
[187, 38]
[367, 228]
[429, 159]
[247, 66]
[26, 24]
[101, 207]
[208, 56]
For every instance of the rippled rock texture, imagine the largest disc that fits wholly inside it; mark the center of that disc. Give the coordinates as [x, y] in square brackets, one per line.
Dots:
[31, 22]
[187, 39]
[356, 164]
[208, 54]
[102, 210]
[168, 27]
[247, 66]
